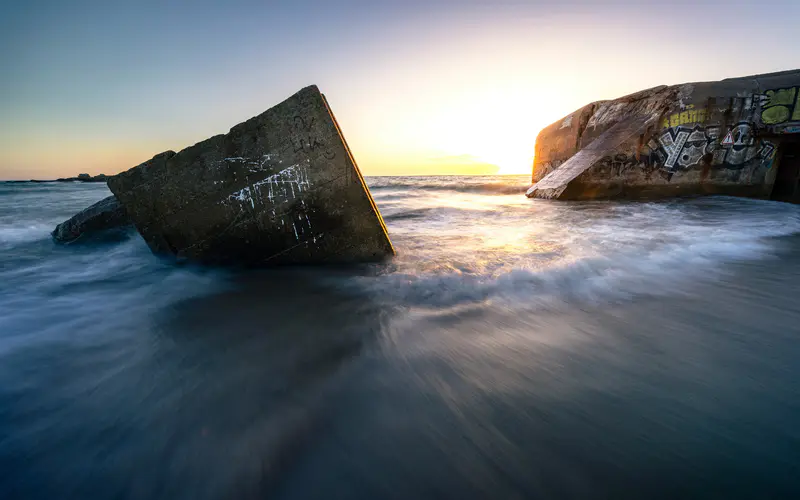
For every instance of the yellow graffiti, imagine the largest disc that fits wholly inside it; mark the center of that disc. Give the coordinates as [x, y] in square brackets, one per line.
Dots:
[780, 97]
[780, 105]
[689, 116]
[778, 114]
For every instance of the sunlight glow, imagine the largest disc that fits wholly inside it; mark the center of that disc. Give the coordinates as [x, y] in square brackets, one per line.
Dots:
[491, 128]
[429, 92]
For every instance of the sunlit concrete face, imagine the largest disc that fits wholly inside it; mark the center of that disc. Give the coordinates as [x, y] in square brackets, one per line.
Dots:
[419, 87]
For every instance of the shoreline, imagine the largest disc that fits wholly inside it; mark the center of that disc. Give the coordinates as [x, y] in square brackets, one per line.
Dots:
[96, 178]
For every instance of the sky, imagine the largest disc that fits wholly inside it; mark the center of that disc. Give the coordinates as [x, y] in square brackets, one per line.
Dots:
[418, 87]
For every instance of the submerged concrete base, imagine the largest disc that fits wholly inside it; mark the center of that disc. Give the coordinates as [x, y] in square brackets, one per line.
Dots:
[279, 188]
[104, 216]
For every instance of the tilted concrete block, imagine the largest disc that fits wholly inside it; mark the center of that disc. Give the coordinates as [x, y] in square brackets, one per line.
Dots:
[280, 188]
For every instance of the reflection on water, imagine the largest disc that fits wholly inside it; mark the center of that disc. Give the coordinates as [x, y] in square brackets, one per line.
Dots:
[513, 349]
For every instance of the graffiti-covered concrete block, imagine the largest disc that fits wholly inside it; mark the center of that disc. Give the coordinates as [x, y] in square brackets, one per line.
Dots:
[697, 138]
[281, 187]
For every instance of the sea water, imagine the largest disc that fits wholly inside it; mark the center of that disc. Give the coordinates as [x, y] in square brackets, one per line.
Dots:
[513, 348]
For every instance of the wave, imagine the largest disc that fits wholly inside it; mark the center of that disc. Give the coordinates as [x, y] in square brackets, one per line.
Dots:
[639, 270]
[418, 213]
[24, 233]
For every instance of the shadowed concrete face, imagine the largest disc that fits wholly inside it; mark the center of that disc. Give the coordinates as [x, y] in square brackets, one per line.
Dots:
[279, 188]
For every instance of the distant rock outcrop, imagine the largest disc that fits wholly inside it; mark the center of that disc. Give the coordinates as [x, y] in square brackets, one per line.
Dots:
[82, 178]
[279, 188]
[105, 215]
[79, 178]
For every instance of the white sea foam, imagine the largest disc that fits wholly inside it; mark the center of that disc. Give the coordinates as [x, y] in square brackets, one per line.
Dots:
[527, 253]
[14, 234]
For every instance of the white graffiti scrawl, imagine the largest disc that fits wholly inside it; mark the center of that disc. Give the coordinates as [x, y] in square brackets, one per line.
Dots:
[285, 185]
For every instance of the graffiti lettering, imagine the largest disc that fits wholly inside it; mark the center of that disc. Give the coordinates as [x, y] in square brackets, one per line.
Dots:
[780, 105]
[742, 149]
[745, 146]
[684, 118]
[297, 144]
[301, 124]
[683, 147]
[619, 163]
[309, 143]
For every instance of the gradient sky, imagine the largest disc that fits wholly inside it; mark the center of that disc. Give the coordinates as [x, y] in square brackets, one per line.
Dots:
[419, 87]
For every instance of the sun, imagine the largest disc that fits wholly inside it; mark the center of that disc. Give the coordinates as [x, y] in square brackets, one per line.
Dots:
[511, 164]
[512, 153]
[494, 135]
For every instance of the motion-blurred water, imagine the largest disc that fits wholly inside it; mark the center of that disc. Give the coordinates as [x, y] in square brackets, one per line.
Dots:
[514, 348]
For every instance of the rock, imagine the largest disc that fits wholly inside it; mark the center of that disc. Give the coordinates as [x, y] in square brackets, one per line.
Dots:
[727, 137]
[105, 215]
[80, 178]
[279, 188]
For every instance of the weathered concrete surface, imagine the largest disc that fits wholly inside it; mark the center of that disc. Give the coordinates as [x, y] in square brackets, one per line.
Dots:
[107, 214]
[698, 138]
[279, 188]
[556, 182]
[563, 141]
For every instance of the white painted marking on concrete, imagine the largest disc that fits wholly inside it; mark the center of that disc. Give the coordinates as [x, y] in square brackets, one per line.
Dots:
[274, 186]
[259, 164]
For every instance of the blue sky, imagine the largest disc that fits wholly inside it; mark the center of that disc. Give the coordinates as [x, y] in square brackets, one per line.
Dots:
[418, 87]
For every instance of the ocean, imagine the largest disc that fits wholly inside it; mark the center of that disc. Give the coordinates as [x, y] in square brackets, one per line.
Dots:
[512, 349]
